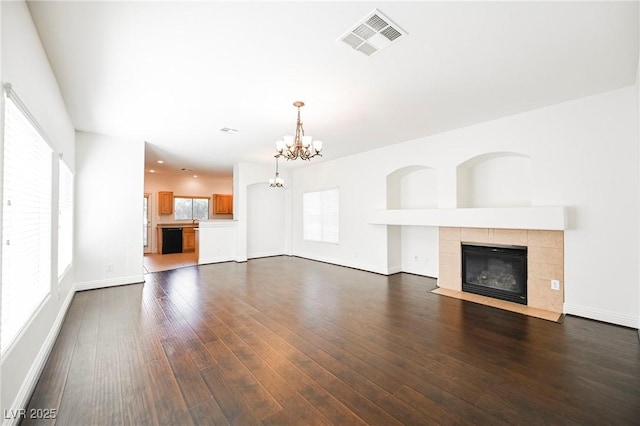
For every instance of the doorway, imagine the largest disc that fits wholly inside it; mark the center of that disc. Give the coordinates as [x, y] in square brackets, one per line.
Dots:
[146, 223]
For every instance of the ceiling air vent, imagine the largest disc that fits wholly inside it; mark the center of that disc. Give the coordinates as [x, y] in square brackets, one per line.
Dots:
[372, 34]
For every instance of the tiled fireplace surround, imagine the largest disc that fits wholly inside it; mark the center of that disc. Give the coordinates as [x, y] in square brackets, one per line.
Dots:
[545, 260]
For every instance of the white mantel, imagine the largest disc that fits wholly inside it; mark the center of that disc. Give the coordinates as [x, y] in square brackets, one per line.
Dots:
[544, 218]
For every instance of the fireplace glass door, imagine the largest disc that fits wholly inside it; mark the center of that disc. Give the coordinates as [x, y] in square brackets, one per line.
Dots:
[498, 271]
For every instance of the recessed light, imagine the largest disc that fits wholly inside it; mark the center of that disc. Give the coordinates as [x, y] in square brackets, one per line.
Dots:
[195, 176]
[229, 130]
[160, 162]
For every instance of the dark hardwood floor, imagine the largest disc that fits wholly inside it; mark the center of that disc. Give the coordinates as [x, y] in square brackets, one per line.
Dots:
[288, 341]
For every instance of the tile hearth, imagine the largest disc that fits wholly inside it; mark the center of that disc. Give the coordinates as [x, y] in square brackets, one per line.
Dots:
[500, 304]
[545, 263]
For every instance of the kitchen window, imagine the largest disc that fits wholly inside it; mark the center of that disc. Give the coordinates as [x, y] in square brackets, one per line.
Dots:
[191, 208]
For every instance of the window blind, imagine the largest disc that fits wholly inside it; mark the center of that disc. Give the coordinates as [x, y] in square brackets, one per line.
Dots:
[26, 222]
[320, 216]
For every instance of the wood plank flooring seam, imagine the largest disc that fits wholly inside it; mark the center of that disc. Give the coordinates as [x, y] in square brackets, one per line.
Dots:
[289, 341]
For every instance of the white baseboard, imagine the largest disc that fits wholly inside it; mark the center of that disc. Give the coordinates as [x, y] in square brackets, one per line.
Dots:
[31, 380]
[356, 265]
[112, 282]
[601, 315]
[423, 272]
[216, 259]
[264, 254]
[394, 269]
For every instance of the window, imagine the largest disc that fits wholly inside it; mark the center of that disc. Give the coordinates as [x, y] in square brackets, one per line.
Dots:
[191, 208]
[320, 216]
[26, 222]
[65, 218]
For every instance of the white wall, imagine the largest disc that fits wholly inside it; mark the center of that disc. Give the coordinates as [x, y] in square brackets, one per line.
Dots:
[217, 241]
[265, 220]
[584, 155]
[413, 249]
[244, 176]
[420, 252]
[109, 190]
[25, 65]
[419, 244]
[419, 189]
[497, 180]
[361, 180]
[203, 186]
[638, 113]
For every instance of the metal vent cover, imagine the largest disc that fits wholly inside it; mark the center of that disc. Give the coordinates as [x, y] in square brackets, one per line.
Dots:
[367, 49]
[376, 22]
[390, 33]
[352, 40]
[364, 31]
[373, 33]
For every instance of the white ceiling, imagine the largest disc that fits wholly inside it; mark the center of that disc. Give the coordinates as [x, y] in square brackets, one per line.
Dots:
[175, 73]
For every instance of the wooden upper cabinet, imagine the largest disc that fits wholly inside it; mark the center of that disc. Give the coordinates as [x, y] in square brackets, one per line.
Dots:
[222, 204]
[165, 202]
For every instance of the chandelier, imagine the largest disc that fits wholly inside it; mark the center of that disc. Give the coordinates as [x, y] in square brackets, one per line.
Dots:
[298, 146]
[276, 182]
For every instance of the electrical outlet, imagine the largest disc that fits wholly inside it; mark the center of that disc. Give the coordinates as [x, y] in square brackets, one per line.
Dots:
[555, 284]
[109, 267]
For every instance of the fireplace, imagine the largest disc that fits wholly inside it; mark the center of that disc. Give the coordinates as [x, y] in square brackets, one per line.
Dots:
[495, 271]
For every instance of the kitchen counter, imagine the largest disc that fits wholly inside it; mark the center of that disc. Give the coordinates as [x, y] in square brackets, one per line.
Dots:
[177, 225]
[217, 222]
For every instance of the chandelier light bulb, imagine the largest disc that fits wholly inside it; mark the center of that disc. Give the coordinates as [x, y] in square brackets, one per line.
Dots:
[288, 140]
[306, 141]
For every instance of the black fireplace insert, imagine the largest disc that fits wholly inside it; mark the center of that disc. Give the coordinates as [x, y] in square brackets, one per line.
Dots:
[495, 271]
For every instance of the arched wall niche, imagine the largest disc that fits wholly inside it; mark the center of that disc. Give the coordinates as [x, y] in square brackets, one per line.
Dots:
[412, 187]
[412, 249]
[496, 179]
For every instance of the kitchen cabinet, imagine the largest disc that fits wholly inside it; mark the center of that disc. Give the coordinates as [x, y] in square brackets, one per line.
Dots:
[222, 204]
[165, 202]
[184, 242]
[188, 239]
